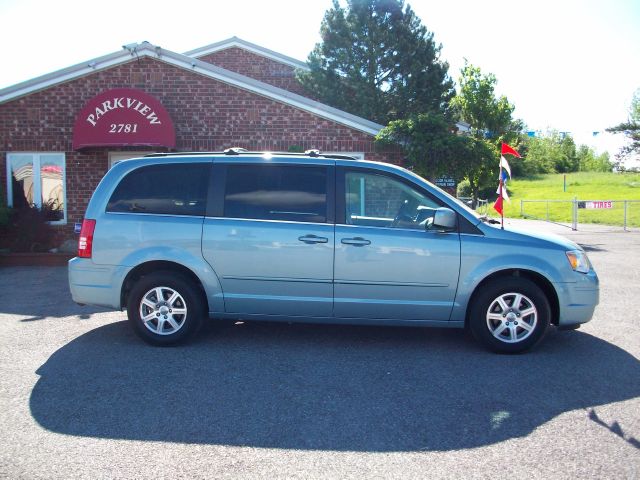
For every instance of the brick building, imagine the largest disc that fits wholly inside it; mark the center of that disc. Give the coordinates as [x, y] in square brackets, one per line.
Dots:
[61, 132]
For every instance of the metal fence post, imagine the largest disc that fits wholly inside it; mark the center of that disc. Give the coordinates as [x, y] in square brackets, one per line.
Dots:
[625, 216]
[574, 227]
[547, 211]
[521, 208]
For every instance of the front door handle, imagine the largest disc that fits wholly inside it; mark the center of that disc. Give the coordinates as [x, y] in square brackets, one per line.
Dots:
[313, 239]
[357, 241]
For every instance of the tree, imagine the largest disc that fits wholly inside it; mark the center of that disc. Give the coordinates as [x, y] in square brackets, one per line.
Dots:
[378, 61]
[478, 159]
[491, 124]
[476, 104]
[426, 140]
[568, 160]
[433, 149]
[590, 162]
[554, 152]
[631, 129]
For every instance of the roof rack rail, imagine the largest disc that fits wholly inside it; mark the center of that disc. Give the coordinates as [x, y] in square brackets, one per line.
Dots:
[242, 151]
[312, 153]
[179, 154]
[235, 151]
[315, 153]
[338, 156]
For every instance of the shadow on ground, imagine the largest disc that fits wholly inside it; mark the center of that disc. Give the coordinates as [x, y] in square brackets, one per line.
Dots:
[596, 247]
[318, 387]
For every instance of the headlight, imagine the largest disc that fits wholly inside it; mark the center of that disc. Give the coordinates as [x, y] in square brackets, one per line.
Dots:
[579, 261]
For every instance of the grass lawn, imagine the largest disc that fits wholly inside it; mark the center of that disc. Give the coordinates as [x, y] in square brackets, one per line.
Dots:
[584, 186]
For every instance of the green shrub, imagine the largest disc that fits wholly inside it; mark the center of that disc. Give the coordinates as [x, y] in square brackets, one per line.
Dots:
[4, 215]
[4, 210]
[464, 189]
[487, 192]
[27, 230]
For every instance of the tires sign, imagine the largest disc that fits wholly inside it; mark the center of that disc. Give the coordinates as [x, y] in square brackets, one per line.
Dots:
[596, 204]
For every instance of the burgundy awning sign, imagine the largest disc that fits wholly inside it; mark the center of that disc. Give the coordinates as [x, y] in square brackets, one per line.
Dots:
[123, 117]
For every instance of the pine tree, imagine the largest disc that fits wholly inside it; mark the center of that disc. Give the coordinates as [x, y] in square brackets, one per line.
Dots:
[378, 61]
[630, 129]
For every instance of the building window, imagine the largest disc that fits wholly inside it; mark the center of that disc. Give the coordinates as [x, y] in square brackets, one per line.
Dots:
[38, 179]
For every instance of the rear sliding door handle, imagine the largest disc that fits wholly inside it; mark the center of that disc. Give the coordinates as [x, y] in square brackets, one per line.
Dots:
[313, 239]
[357, 241]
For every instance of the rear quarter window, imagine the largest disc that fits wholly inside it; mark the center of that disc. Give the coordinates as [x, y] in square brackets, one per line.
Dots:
[173, 189]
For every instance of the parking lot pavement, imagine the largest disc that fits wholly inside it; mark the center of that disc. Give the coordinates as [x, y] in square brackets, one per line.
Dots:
[566, 228]
[81, 397]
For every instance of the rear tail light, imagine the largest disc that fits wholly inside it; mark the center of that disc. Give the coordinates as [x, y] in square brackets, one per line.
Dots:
[85, 243]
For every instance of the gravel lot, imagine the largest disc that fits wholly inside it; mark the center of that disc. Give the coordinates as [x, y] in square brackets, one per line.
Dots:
[81, 397]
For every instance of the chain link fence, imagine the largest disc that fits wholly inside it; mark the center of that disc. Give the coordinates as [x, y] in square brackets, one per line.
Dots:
[624, 213]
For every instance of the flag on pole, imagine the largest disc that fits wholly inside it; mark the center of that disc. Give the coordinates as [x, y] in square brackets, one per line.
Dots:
[505, 165]
[505, 174]
[504, 193]
[507, 150]
[498, 206]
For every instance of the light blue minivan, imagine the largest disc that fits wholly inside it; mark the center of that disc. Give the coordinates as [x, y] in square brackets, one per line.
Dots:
[176, 238]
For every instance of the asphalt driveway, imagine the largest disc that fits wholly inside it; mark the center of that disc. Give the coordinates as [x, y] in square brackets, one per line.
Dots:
[82, 397]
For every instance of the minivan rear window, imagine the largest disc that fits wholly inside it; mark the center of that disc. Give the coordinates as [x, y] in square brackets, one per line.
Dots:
[173, 189]
[276, 192]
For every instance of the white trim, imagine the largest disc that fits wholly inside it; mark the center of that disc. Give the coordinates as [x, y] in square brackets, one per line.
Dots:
[248, 46]
[61, 76]
[203, 68]
[36, 164]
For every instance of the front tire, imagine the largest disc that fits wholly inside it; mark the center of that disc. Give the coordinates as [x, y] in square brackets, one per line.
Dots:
[165, 308]
[509, 315]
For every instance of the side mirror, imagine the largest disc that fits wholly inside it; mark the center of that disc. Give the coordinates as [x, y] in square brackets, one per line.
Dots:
[445, 219]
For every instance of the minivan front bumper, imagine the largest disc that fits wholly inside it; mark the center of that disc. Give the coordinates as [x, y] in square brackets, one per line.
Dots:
[578, 300]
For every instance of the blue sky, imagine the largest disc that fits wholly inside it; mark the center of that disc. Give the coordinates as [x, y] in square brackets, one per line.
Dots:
[566, 64]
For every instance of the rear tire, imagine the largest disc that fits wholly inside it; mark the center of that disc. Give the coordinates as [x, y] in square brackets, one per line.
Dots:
[165, 308]
[509, 315]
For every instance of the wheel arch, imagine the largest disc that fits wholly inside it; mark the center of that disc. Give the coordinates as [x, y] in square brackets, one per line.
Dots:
[540, 280]
[155, 266]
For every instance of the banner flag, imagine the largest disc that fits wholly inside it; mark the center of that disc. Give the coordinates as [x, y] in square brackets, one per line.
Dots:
[505, 194]
[505, 174]
[505, 165]
[498, 205]
[507, 150]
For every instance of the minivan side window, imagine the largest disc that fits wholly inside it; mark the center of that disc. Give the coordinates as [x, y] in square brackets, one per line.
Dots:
[276, 192]
[173, 189]
[375, 200]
